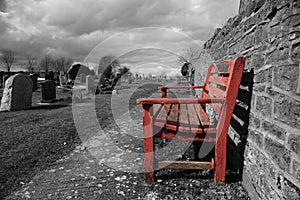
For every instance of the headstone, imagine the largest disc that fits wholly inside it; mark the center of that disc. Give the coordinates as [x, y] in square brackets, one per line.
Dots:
[48, 92]
[114, 92]
[34, 81]
[5, 77]
[89, 83]
[1, 80]
[62, 79]
[82, 78]
[17, 94]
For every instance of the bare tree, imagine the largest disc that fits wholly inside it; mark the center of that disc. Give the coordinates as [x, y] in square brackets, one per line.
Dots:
[45, 63]
[107, 62]
[62, 64]
[31, 62]
[8, 57]
[191, 55]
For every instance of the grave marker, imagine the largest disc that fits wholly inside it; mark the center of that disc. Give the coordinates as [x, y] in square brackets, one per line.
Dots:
[17, 94]
[89, 84]
[48, 92]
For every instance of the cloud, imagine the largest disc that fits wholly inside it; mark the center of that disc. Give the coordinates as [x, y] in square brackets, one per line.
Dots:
[74, 28]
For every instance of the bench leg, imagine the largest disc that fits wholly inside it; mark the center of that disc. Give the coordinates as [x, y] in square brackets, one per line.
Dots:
[148, 143]
[220, 159]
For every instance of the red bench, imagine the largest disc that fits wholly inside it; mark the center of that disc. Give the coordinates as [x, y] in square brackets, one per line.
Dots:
[189, 117]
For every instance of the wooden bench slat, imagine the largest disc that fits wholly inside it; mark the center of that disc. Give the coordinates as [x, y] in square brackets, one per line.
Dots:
[183, 115]
[219, 80]
[173, 115]
[202, 116]
[185, 138]
[216, 92]
[185, 164]
[215, 106]
[163, 114]
[193, 118]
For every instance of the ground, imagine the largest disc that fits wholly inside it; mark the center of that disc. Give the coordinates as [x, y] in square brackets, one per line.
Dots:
[43, 155]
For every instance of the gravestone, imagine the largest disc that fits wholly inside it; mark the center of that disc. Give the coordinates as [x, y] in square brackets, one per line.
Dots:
[5, 77]
[62, 79]
[48, 92]
[17, 93]
[82, 78]
[89, 83]
[1, 80]
[34, 78]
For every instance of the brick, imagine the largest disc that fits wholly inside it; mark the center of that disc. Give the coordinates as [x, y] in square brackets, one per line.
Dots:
[261, 35]
[256, 137]
[286, 77]
[290, 191]
[279, 154]
[270, 171]
[287, 110]
[263, 76]
[248, 41]
[259, 88]
[292, 20]
[296, 170]
[264, 105]
[254, 122]
[294, 143]
[257, 61]
[295, 54]
[273, 56]
[274, 130]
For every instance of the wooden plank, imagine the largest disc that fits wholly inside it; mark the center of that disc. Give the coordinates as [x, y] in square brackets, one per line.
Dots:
[203, 118]
[216, 92]
[185, 138]
[181, 87]
[173, 115]
[163, 114]
[219, 80]
[193, 118]
[225, 62]
[157, 110]
[185, 165]
[178, 100]
[183, 115]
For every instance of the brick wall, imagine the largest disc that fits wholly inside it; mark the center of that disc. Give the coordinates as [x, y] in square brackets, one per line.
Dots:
[267, 33]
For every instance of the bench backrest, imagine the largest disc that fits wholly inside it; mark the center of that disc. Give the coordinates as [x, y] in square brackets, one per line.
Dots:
[224, 82]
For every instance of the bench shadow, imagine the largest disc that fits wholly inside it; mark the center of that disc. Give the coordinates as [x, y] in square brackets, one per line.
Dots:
[238, 133]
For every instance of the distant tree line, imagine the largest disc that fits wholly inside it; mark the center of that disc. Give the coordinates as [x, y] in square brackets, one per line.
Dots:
[46, 63]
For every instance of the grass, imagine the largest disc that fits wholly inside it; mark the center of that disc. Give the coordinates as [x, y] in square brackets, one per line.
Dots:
[30, 140]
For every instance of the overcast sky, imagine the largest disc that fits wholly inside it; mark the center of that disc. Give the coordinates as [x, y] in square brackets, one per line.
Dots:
[87, 29]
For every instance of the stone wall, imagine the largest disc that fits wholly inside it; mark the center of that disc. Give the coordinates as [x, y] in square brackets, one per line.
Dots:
[267, 33]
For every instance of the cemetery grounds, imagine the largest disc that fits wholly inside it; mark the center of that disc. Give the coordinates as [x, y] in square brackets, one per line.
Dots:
[42, 156]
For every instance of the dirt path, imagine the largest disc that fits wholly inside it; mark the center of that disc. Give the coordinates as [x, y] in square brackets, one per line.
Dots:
[81, 176]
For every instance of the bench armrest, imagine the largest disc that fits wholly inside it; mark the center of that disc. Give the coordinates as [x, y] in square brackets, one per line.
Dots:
[179, 100]
[180, 87]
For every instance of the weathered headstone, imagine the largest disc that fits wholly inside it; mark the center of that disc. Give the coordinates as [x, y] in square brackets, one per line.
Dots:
[114, 92]
[34, 81]
[89, 84]
[82, 78]
[1, 80]
[5, 77]
[62, 79]
[17, 94]
[48, 91]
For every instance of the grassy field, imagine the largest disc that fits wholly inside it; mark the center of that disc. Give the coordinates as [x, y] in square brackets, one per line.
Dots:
[30, 140]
